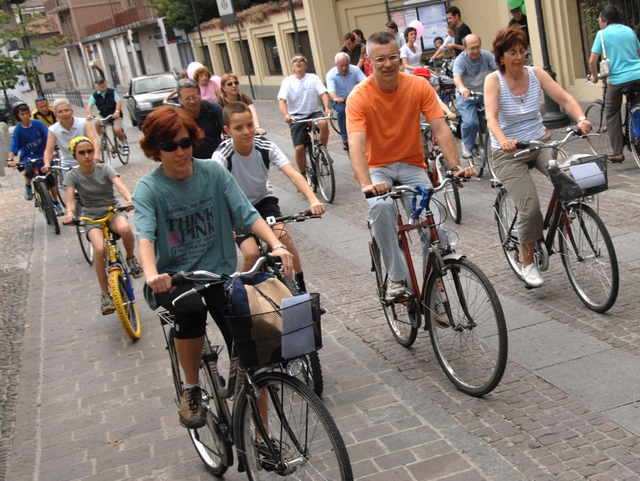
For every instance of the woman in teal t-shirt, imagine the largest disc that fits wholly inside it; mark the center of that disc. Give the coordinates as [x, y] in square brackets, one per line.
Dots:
[186, 213]
[623, 51]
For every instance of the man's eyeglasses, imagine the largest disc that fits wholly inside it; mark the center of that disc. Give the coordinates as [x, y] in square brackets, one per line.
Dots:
[38, 99]
[298, 60]
[172, 146]
[382, 60]
[229, 84]
[190, 98]
[85, 152]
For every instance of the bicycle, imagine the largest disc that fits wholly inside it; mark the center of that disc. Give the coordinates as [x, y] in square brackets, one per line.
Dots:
[57, 174]
[111, 148]
[42, 196]
[319, 164]
[482, 146]
[630, 131]
[300, 439]
[462, 311]
[333, 121]
[446, 85]
[584, 243]
[438, 167]
[120, 284]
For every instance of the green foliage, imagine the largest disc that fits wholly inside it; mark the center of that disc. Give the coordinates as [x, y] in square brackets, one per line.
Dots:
[630, 15]
[180, 14]
[13, 68]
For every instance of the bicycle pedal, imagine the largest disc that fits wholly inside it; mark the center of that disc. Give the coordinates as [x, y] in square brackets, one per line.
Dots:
[106, 313]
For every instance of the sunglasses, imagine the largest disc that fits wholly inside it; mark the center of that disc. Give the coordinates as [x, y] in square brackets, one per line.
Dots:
[298, 60]
[38, 99]
[85, 152]
[229, 84]
[172, 146]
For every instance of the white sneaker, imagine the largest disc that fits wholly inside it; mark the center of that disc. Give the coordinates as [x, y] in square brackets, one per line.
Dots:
[466, 153]
[532, 276]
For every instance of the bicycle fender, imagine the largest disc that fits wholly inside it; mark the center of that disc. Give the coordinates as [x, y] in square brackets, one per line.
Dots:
[454, 256]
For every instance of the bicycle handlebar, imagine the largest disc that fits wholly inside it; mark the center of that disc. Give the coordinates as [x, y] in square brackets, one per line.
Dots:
[397, 190]
[115, 210]
[300, 217]
[573, 133]
[314, 120]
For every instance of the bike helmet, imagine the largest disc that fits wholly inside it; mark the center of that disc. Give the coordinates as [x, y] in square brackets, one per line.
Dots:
[19, 106]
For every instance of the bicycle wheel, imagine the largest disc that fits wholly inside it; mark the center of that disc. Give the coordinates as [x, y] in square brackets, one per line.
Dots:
[46, 204]
[489, 151]
[85, 245]
[634, 142]
[403, 317]
[483, 153]
[326, 176]
[124, 158]
[505, 213]
[105, 149]
[595, 115]
[589, 257]
[451, 193]
[122, 295]
[427, 141]
[305, 439]
[309, 168]
[470, 337]
[60, 186]
[333, 121]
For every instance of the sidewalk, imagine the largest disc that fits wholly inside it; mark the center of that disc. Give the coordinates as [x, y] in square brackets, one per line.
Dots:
[92, 405]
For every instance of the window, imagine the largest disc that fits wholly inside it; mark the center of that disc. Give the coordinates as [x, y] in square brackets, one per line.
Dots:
[273, 57]
[49, 77]
[305, 45]
[226, 60]
[245, 54]
[205, 55]
[13, 45]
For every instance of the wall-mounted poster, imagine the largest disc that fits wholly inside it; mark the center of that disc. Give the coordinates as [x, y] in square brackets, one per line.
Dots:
[434, 19]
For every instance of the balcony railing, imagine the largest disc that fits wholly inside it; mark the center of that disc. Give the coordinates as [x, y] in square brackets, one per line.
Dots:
[121, 20]
[55, 6]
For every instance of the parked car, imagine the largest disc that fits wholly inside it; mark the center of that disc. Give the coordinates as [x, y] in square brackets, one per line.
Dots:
[5, 111]
[146, 93]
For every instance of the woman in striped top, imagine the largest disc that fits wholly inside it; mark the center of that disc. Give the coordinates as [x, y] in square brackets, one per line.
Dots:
[512, 97]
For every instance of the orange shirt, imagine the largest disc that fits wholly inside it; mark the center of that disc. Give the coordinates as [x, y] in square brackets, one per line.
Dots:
[392, 121]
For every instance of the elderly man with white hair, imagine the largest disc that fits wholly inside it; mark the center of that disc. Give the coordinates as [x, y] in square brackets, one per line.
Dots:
[63, 131]
[340, 82]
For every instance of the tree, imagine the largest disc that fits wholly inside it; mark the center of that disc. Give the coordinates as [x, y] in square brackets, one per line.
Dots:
[20, 66]
[180, 14]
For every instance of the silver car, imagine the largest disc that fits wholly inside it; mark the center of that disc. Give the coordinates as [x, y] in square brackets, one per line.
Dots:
[146, 93]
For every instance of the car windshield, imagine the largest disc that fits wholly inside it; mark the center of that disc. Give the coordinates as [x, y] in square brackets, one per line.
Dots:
[154, 84]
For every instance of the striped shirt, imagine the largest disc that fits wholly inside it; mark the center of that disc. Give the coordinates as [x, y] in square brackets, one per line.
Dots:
[519, 115]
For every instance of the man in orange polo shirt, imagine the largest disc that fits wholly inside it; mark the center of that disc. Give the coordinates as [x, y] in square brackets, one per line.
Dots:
[385, 144]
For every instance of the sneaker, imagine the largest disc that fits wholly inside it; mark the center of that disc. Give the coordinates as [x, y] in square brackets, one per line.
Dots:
[106, 305]
[59, 210]
[27, 193]
[397, 291]
[191, 410]
[266, 457]
[466, 153]
[125, 147]
[532, 276]
[441, 318]
[134, 267]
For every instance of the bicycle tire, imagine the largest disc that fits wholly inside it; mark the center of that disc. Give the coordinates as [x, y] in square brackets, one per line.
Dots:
[403, 317]
[450, 192]
[595, 115]
[85, 244]
[595, 277]
[489, 151]
[105, 149]
[47, 207]
[122, 295]
[60, 186]
[39, 202]
[325, 175]
[505, 213]
[298, 423]
[472, 350]
[309, 168]
[634, 142]
[427, 142]
[124, 158]
[333, 121]
[484, 153]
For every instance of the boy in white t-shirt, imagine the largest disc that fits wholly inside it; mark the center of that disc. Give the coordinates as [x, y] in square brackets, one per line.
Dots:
[248, 159]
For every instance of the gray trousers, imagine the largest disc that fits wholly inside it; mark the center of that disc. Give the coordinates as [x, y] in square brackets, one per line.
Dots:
[613, 115]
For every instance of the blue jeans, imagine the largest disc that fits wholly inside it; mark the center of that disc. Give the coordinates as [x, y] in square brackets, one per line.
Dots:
[342, 118]
[470, 123]
[384, 216]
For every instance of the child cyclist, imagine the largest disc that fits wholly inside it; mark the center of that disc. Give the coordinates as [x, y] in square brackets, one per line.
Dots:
[29, 140]
[248, 158]
[94, 184]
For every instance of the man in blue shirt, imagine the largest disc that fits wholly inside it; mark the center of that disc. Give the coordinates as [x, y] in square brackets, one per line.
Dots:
[340, 81]
[108, 102]
[469, 71]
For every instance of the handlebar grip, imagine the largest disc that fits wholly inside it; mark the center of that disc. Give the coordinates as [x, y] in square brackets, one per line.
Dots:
[369, 195]
[522, 145]
[181, 279]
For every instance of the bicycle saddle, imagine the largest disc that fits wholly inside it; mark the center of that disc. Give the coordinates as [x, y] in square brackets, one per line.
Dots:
[630, 89]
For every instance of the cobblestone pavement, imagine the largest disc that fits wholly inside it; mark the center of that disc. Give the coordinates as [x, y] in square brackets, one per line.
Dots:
[92, 405]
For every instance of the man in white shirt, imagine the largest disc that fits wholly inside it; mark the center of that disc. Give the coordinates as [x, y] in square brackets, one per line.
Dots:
[302, 95]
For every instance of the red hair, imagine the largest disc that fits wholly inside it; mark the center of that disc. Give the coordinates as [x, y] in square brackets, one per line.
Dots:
[162, 125]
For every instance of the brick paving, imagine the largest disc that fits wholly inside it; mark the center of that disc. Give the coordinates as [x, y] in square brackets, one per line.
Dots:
[91, 405]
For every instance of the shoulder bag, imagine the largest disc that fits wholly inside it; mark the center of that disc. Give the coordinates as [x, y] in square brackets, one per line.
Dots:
[604, 63]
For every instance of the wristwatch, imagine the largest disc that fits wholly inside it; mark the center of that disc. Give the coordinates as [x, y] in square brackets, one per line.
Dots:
[278, 246]
[456, 168]
[581, 118]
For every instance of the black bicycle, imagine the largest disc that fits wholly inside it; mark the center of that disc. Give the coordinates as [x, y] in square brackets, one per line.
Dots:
[319, 164]
[112, 147]
[279, 427]
[631, 128]
[481, 152]
[42, 196]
